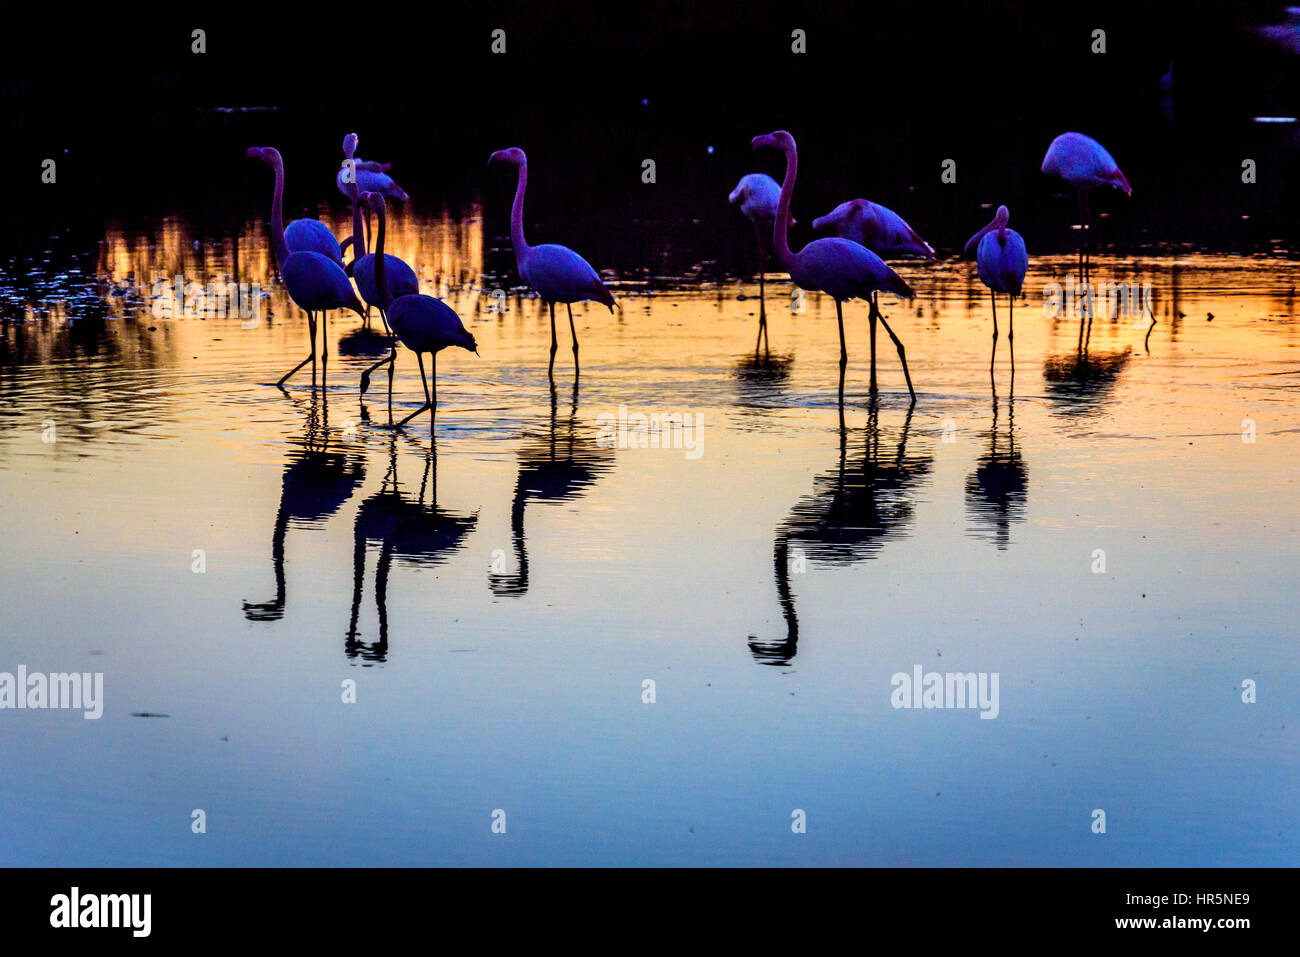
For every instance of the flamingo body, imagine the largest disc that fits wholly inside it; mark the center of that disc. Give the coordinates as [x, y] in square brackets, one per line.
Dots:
[1083, 163]
[401, 278]
[311, 235]
[877, 227]
[316, 282]
[844, 270]
[371, 178]
[561, 275]
[757, 195]
[425, 324]
[1003, 261]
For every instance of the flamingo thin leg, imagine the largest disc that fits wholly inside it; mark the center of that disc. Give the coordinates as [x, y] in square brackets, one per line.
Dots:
[902, 356]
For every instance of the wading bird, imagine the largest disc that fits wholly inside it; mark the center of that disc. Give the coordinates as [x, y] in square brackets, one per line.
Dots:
[315, 281]
[1085, 164]
[882, 231]
[401, 277]
[302, 235]
[757, 195]
[838, 267]
[1003, 262]
[557, 273]
[421, 323]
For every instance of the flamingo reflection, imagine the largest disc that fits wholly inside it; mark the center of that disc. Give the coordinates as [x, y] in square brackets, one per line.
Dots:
[553, 468]
[997, 491]
[405, 529]
[851, 513]
[317, 481]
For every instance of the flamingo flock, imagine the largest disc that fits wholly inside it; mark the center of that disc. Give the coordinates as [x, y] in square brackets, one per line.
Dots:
[850, 264]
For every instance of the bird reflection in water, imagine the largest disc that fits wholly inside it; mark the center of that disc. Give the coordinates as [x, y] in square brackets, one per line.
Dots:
[851, 513]
[317, 481]
[553, 468]
[1079, 383]
[997, 491]
[405, 529]
[761, 380]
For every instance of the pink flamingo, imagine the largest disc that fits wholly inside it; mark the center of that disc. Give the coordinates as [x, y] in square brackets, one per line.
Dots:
[557, 273]
[316, 282]
[1003, 262]
[401, 277]
[757, 195]
[882, 231]
[302, 235]
[371, 177]
[838, 267]
[422, 323]
[1085, 164]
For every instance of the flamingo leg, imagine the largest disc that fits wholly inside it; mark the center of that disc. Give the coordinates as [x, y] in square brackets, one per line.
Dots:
[839, 315]
[993, 297]
[902, 356]
[872, 312]
[1011, 330]
[431, 390]
[551, 369]
[762, 296]
[573, 332]
[311, 330]
[419, 357]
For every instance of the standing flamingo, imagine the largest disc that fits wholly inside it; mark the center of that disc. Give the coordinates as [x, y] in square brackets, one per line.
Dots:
[882, 231]
[422, 323]
[757, 195]
[557, 273]
[316, 282]
[302, 235]
[1085, 164]
[838, 267]
[401, 277]
[1000, 253]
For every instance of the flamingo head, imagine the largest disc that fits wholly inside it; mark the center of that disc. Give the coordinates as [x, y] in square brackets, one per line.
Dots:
[375, 201]
[469, 345]
[267, 154]
[780, 140]
[1000, 220]
[514, 156]
[350, 145]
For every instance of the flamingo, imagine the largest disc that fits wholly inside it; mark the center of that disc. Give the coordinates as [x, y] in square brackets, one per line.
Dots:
[557, 273]
[401, 277]
[302, 235]
[838, 267]
[422, 323]
[1085, 164]
[757, 195]
[1000, 253]
[370, 177]
[882, 231]
[316, 282]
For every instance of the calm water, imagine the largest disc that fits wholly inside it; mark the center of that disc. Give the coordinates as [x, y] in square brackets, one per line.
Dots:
[500, 596]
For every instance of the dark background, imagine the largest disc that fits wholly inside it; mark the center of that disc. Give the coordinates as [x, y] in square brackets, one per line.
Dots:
[884, 94]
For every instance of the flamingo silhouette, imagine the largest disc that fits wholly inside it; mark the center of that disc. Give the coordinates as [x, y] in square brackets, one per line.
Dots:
[885, 233]
[421, 323]
[1085, 164]
[997, 491]
[757, 195]
[1003, 262]
[557, 273]
[316, 282]
[838, 267]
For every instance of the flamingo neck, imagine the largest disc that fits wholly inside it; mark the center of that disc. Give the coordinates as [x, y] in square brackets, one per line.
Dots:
[358, 230]
[780, 238]
[517, 216]
[381, 270]
[277, 214]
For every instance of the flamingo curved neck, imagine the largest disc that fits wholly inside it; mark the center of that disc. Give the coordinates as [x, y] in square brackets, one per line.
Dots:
[277, 214]
[381, 270]
[780, 238]
[517, 216]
